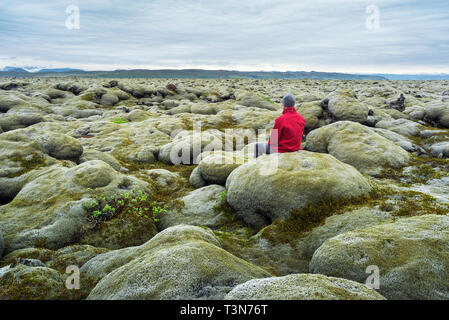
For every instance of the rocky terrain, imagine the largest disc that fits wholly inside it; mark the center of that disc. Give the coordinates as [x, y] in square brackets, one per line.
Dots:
[149, 187]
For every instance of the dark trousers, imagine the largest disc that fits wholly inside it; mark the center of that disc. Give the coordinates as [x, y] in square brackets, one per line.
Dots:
[261, 149]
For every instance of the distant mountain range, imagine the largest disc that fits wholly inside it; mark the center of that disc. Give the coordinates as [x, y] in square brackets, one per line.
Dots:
[441, 76]
[36, 69]
[207, 74]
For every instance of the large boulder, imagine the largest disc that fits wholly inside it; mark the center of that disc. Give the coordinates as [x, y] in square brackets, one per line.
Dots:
[178, 267]
[196, 180]
[358, 146]
[410, 254]
[302, 287]
[401, 126]
[251, 100]
[215, 168]
[48, 211]
[165, 180]
[92, 154]
[313, 115]
[109, 99]
[270, 187]
[437, 114]
[100, 266]
[9, 101]
[440, 150]
[19, 120]
[402, 141]
[343, 105]
[23, 157]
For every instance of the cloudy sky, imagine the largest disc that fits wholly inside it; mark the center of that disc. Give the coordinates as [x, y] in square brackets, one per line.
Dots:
[321, 35]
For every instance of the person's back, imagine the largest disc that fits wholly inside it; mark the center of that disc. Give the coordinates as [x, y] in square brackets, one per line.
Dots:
[287, 132]
[290, 128]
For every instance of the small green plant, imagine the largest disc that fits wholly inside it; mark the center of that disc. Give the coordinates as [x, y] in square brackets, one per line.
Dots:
[223, 196]
[135, 202]
[119, 120]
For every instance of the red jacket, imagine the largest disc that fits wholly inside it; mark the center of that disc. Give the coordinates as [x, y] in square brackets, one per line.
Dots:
[287, 130]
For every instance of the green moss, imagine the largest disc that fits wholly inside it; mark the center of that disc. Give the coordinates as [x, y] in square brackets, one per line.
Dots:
[423, 169]
[88, 97]
[235, 241]
[413, 203]
[41, 243]
[124, 230]
[227, 123]
[119, 120]
[311, 216]
[33, 161]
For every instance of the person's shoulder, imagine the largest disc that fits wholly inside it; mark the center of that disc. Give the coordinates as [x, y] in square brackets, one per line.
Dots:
[300, 116]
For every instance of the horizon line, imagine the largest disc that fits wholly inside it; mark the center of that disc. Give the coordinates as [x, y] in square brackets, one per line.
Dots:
[218, 69]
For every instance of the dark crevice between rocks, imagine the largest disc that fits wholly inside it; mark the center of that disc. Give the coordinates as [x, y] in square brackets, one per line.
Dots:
[5, 199]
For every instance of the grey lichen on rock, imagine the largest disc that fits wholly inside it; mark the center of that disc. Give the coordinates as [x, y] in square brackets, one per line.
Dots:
[302, 287]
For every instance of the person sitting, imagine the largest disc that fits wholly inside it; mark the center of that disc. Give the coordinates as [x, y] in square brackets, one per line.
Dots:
[287, 132]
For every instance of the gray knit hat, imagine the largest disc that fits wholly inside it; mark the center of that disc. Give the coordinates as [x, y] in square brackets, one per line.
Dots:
[289, 100]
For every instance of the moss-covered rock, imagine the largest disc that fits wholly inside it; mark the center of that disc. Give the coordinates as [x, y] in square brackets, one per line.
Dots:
[401, 126]
[49, 211]
[358, 146]
[76, 255]
[98, 267]
[196, 180]
[32, 283]
[181, 269]
[40, 254]
[256, 101]
[410, 253]
[216, 168]
[437, 114]
[343, 105]
[302, 287]
[92, 154]
[19, 120]
[9, 101]
[440, 150]
[270, 187]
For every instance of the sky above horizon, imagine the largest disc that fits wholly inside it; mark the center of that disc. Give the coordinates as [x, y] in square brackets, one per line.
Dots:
[356, 36]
